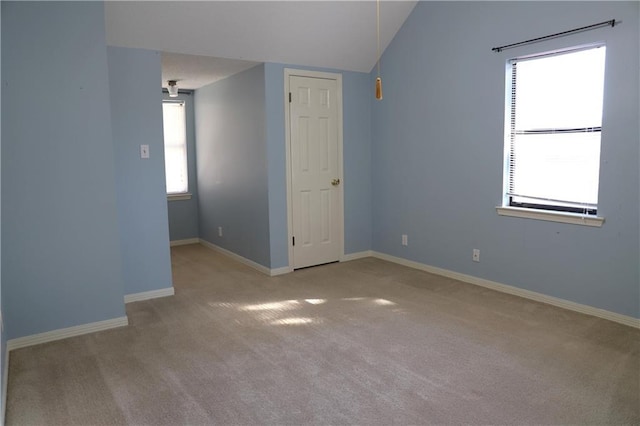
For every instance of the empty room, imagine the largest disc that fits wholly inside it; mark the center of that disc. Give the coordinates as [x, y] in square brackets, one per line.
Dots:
[320, 212]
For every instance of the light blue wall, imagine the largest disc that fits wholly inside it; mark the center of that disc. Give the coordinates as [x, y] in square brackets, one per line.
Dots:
[183, 214]
[136, 117]
[3, 338]
[61, 262]
[356, 93]
[276, 160]
[232, 164]
[227, 146]
[438, 151]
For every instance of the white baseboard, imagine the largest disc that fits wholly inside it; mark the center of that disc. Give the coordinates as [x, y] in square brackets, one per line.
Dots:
[184, 242]
[504, 288]
[357, 255]
[241, 259]
[280, 271]
[5, 382]
[343, 258]
[63, 333]
[276, 271]
[152, 294]
[248, 262]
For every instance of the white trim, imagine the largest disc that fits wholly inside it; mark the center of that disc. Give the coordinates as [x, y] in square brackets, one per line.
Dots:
[241, 259]
[184, 242]
[551, 216]
[503, 288]
[63, 333]
[250, 263]
[146, 295]
[280, 271]
[288, 72]
[287, 151]
[5, 383]
[179, 197]
[308, 73]
[357, 255]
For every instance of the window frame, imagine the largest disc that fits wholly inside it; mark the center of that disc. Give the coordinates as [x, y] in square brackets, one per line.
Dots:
[584, 214]
[183, 195]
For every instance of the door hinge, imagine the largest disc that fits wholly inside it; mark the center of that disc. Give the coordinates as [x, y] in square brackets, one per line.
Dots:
[294, 241]
[289, 97]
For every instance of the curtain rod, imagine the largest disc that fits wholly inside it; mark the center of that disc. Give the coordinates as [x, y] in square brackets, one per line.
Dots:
[609, 23]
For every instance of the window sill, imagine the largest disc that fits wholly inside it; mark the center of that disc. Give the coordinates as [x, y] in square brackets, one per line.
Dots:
[179, 197]
[562, 217]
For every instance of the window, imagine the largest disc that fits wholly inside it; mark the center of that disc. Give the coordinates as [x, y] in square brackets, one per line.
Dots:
[553, 126]
[175, 147]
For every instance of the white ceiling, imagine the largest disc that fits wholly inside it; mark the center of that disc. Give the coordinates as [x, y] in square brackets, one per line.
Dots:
[330, 34]
[193, 72]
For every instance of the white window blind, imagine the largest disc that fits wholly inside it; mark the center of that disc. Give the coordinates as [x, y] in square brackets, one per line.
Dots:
[175, 147]
[555, 122]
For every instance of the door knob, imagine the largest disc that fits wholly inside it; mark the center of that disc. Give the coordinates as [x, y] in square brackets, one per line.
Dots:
[335, 182]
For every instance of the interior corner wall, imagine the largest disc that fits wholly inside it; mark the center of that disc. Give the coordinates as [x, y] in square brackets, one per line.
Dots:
[136, 118]
[357, 93]
[61, 263]
[183, 214]
[232, 165]
[356, 106]
[3, 338]
[276, 160]
[438, 140]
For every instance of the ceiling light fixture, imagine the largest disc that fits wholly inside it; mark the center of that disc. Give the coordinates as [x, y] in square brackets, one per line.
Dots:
[378, 79]
[173, 88]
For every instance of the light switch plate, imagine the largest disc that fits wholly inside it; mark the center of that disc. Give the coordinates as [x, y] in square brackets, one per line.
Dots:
[144, 151]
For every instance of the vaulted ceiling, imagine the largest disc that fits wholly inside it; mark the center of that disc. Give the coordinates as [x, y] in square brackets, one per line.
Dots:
[330, 34]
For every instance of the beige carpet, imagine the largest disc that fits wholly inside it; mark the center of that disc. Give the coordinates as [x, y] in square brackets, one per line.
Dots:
[363, 342]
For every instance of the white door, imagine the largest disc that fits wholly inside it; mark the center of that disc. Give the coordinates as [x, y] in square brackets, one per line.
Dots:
[316, 187]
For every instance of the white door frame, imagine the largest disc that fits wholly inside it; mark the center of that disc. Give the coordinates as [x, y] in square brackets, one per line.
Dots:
[288, 72]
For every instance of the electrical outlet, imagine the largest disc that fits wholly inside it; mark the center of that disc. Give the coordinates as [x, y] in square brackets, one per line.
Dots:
[476, 255]
[144, 151]
[405, 240]
[219, 231]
